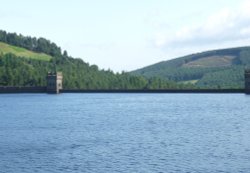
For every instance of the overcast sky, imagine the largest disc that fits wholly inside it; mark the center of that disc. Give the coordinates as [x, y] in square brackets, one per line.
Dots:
[129, 34]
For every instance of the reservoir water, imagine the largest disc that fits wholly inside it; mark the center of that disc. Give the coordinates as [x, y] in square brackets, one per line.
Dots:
[124, 133]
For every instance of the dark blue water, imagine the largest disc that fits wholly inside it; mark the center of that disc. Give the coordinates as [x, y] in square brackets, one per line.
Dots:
[124, 133]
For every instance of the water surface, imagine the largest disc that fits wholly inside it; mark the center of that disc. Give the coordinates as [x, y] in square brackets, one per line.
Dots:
[124, 133]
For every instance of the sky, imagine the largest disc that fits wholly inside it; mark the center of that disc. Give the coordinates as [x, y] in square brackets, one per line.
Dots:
[124, 35]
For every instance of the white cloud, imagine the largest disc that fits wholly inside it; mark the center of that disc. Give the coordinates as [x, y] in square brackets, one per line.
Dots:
[226, 26]
[245, 7]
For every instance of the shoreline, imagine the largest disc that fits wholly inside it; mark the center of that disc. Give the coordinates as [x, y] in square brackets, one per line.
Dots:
[16, 90]
[167, 91]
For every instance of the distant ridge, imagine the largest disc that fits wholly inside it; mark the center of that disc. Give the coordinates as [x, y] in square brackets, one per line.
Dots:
[223, 68]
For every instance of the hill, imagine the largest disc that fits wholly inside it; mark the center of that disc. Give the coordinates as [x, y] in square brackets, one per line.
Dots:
[25, 61]
[212, 69]
[21, 52]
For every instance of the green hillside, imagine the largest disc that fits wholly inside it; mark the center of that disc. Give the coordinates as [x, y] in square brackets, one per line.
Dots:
[21, 52]
[25, 61]
[212, 69]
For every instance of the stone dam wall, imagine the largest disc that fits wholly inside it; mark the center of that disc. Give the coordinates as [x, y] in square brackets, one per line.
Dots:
[44, 90]
[22, 90]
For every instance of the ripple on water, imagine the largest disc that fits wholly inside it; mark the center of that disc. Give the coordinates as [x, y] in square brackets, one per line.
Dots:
[124, 133]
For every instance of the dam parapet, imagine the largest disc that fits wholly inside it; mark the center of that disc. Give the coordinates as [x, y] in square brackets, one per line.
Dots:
[247, 81]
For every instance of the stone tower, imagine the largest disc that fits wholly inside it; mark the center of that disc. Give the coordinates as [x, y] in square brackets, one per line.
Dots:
[54, 82]
[247, 81]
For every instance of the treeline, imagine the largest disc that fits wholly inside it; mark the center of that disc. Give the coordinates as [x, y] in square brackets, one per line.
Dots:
[31, 43]
[21, 71]
[213, 77]
[18, 71]
[180, 74]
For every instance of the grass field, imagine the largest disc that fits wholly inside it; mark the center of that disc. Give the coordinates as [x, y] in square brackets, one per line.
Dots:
[21, 52]
[189, 82]
[212, 61]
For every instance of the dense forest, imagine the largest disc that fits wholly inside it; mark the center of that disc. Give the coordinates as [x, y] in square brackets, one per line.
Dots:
[212, 69]
[77, 74]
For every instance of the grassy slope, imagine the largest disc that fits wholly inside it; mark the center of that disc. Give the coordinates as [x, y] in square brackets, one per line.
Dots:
[211, 61]
[189, 82]
[21, 52]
